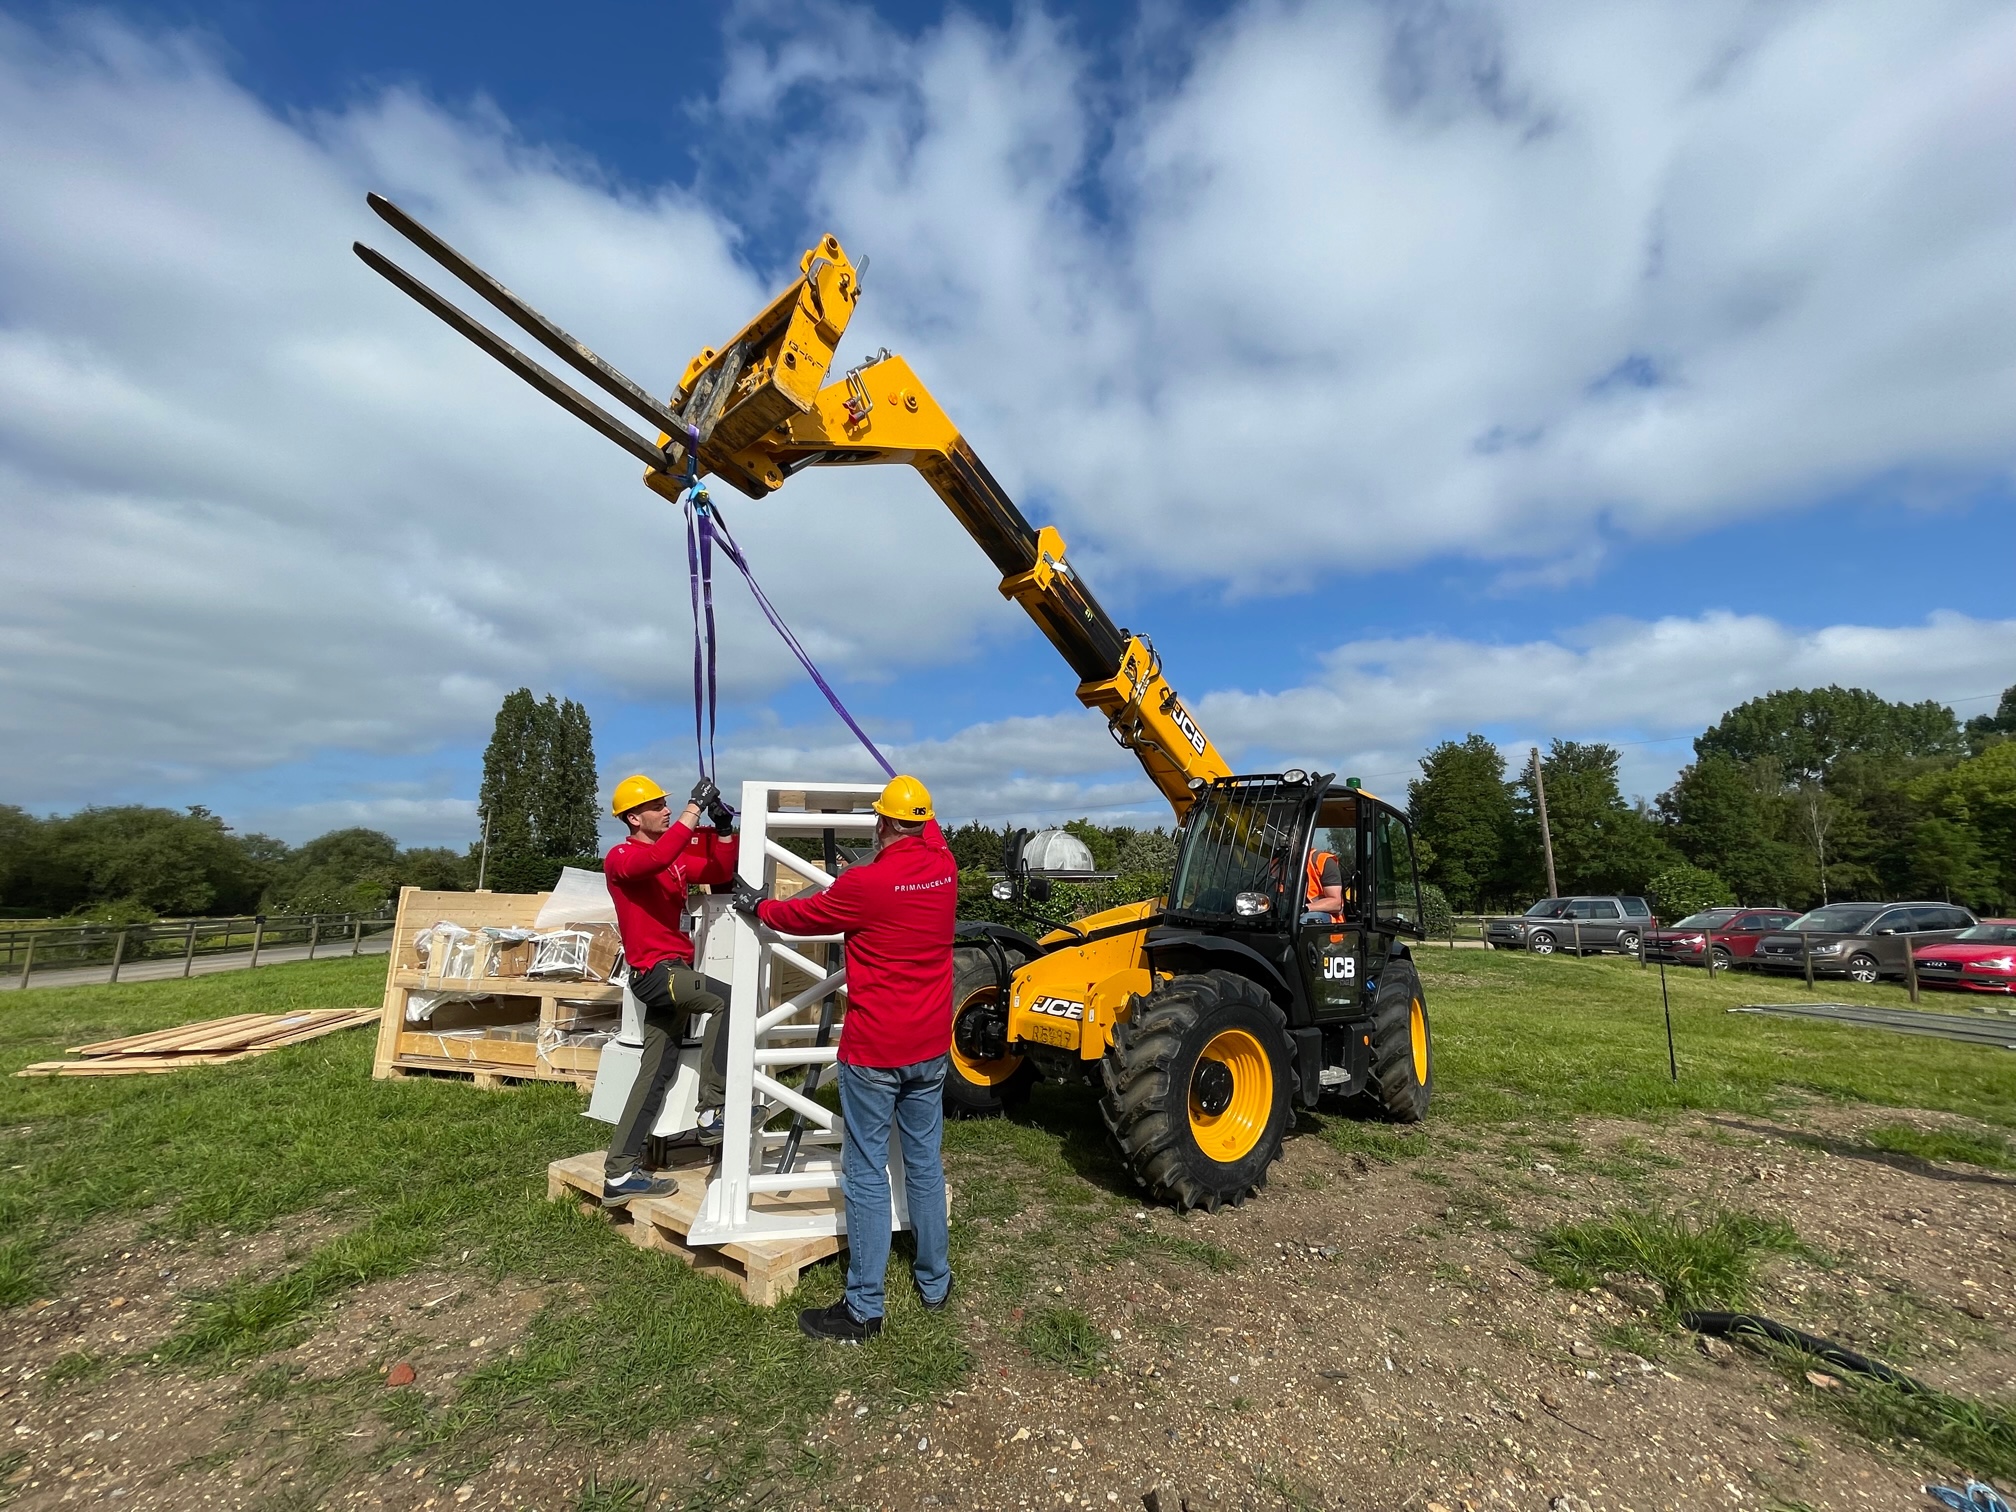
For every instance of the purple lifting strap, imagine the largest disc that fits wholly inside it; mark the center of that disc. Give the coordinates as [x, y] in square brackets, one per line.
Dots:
[703, 528]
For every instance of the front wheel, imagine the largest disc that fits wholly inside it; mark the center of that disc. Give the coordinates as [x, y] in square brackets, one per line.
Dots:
[1401, 1080]
[1720, 959]
[1541, 943]
[984, 1080]
[1195, 1089]
[1862, 968]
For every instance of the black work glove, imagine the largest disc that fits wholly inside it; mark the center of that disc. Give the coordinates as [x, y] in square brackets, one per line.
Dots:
[722, 816]
[704, 792]
[746, 898]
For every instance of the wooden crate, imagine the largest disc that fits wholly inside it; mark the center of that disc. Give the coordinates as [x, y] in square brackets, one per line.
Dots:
[764, 1271]
[497, 1045]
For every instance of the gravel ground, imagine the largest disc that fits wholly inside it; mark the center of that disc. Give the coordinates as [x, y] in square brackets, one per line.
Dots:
[1380, 1345]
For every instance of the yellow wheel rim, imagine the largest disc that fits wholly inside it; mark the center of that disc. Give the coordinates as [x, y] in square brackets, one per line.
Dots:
[1232, 1131]
[982, 1073]
[1417, 1032]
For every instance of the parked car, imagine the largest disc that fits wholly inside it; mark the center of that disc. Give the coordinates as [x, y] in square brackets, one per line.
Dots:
[1861, 941]
[1732, 934]
[1609, 922]
[1981, 959]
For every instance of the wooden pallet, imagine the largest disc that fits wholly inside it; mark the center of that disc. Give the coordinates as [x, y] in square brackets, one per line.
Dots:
[210, 1042]
[764, 1271]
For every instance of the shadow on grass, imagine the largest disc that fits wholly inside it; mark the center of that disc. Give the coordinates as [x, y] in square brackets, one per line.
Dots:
[1871, 1154]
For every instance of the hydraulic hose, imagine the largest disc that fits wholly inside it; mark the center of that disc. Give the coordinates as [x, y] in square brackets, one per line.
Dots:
[1734, 1324]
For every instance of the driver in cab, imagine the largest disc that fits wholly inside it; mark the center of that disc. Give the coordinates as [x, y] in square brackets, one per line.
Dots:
[1323, 887]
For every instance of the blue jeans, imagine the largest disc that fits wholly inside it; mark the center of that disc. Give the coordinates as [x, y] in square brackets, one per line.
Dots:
[913, 1099]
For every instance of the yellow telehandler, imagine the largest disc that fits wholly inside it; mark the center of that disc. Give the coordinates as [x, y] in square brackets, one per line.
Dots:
[1198, 1018]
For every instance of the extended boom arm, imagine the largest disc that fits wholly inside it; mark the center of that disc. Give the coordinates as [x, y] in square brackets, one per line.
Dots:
[759, 410]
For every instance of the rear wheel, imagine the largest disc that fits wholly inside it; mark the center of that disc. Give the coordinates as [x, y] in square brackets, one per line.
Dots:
[1862, 968]
[984, 1079]
[1401, 1081]
[1195, 1089]
[1540, 942]
[1627, 942]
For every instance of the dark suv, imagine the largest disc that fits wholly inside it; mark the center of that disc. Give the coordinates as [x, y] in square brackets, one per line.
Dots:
[1580, 925]
[1861, 941]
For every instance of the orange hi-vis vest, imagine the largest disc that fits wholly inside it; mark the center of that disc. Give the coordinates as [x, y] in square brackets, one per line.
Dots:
[1315, 872]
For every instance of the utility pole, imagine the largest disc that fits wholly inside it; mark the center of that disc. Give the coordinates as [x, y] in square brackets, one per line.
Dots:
[1546, 835]
[483, 858]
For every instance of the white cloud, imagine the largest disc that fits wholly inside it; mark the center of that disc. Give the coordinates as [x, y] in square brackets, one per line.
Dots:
[1343, 287]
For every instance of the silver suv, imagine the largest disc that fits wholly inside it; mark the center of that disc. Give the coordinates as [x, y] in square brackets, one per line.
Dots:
[1580, 925]
[1861, 941]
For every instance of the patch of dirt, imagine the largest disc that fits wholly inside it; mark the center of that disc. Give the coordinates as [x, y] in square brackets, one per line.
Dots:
[1383, 1346]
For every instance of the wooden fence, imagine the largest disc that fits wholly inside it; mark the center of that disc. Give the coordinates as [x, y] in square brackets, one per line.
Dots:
[26, 951]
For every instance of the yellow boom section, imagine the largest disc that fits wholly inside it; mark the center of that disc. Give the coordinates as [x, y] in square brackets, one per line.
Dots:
[759, 420]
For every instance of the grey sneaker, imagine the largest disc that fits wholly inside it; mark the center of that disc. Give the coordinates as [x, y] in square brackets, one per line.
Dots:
[707, 1124]
[634, 1184]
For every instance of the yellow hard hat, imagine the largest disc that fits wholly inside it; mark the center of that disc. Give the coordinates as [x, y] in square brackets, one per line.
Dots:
[905, 798]
[634, 792]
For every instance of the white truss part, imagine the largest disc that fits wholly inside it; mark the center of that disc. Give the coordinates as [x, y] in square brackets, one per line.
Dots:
[762, 1044]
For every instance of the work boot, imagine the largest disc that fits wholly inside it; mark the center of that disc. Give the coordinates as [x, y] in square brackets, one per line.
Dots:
[941, 1304]
[836, 1324]
[632, 1184]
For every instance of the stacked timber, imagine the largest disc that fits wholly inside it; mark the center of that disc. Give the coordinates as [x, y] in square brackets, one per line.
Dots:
[210, 1043]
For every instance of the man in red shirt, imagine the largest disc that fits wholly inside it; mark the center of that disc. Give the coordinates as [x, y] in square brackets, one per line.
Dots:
[648, 875]
[897, 912]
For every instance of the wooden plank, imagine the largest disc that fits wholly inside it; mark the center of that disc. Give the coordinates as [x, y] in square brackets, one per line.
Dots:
[160, 1037]
[133, 1065]
[539, 987]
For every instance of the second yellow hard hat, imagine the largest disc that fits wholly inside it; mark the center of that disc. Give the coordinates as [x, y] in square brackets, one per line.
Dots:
[905, 798]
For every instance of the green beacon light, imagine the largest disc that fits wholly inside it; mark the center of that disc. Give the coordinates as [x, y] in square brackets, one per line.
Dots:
[1353, 782]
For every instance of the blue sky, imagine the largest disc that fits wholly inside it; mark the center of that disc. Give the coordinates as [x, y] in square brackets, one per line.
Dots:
[1403, 370]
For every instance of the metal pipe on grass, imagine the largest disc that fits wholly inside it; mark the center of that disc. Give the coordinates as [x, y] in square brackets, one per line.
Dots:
[1672, 1060]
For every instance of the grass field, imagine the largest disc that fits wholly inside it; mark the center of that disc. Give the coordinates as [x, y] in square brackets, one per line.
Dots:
[406, 1175]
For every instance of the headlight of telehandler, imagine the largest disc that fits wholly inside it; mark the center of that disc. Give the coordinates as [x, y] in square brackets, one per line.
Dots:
[1251, 905]
[1004, 891]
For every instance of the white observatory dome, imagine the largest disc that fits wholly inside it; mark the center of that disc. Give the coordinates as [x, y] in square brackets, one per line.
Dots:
[1056, 850]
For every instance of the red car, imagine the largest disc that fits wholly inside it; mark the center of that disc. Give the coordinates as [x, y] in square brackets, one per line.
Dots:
[1733, 934]
[1981, 959]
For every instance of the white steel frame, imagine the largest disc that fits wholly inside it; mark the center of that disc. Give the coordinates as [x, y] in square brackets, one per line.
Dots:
[761, 1042]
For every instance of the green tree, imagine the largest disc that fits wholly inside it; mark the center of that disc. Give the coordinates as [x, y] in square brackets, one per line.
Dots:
[1150, 851]
[1985, 730]
[1679, 890]
[976, 847]
[1601, 843]
[1806, 731]
[186, 863]
[1976, 797]
[1731, 820]
[538, 793]
[1462, 810]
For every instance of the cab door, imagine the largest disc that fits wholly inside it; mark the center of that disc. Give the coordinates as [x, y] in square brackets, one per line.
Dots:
[1331, 952]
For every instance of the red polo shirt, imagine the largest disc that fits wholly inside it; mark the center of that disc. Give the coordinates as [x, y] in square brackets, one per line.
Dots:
[898, 913]
[648, 881]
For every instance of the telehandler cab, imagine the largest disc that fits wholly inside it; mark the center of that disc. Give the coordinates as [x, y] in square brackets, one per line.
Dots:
[1199, 1018]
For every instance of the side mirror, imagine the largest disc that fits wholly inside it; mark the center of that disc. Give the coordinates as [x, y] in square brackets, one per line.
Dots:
[1039, 889]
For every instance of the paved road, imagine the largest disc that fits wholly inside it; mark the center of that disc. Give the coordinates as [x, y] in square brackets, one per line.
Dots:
[202, 965]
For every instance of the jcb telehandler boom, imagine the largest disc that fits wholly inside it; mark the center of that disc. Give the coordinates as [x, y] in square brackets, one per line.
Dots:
[1198, 1017]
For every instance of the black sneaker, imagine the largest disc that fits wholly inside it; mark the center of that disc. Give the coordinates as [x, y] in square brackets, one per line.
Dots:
[942, 1303]
[837, 1324]
[628, 1188]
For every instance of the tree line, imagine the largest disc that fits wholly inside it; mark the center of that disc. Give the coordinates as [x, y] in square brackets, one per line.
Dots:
[131, 863]
[1792, 799]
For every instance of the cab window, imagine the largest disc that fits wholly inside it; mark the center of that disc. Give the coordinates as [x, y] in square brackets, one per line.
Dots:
[1337, 834]
[1399, 896]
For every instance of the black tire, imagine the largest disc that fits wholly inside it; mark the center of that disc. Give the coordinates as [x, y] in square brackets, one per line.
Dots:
[975, 1086]
[1540, 942]
[1394, 1088]
[1862, 968]
[1627, 942]
[1158, 1089]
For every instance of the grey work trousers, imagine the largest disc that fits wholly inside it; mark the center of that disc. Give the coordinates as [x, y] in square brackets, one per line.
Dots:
[670, 994]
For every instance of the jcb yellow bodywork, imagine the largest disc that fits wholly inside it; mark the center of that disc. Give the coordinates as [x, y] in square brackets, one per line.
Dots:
[1072, 998]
